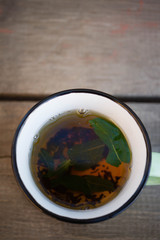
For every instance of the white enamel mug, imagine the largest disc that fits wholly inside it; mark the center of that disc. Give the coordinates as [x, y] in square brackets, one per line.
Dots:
[101, 103]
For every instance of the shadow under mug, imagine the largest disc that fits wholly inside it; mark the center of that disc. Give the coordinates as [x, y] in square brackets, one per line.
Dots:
[101, 103]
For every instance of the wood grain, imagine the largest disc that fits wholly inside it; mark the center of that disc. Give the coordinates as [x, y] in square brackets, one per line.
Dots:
[19, 219]
[50, 45]
[11, 114]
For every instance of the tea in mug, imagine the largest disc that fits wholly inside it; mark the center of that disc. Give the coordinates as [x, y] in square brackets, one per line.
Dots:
[80, 160]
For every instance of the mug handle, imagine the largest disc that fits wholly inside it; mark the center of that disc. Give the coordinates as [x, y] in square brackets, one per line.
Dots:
[154, 175]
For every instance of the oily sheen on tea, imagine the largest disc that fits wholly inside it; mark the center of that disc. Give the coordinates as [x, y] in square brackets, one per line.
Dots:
[80, 160]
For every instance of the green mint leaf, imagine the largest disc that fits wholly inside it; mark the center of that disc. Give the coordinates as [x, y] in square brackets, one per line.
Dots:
[86, 155]
[86, 184]
[46, 158]
[62, 168]
[99, 184]
[48, 161]
[112, 136]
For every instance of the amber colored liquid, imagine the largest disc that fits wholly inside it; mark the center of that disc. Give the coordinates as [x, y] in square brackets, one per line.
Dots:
[72, 127]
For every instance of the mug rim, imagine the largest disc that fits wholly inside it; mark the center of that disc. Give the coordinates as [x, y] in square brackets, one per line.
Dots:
[129, 201]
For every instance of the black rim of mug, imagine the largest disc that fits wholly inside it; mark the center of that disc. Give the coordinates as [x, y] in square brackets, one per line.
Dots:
[135, 194]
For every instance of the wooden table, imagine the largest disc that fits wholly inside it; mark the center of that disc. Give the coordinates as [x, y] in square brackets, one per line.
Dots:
[52, 45]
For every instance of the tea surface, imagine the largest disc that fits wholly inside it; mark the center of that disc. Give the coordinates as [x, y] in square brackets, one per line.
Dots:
[80, 160]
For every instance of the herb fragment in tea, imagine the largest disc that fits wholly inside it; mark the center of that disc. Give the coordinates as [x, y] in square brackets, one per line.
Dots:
[113, 137]
[86, 155]
[80, 162]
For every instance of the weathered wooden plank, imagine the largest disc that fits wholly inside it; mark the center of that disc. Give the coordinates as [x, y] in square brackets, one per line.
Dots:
[19, 219]
[149, 113]
[50, 45]
[12, 112]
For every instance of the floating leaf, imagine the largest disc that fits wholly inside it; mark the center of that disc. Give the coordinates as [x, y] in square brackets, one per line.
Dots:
[112, 136]
[46, 158]
[86, 155]
[48, 161]
[62, 168]
[86, 184]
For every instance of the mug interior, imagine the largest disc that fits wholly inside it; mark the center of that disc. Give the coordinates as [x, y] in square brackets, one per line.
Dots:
[104, 105]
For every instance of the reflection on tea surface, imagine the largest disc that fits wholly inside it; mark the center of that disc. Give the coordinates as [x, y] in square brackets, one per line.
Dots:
[80, 160]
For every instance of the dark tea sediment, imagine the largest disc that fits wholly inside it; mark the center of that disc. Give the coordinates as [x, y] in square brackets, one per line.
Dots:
[80, 160]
